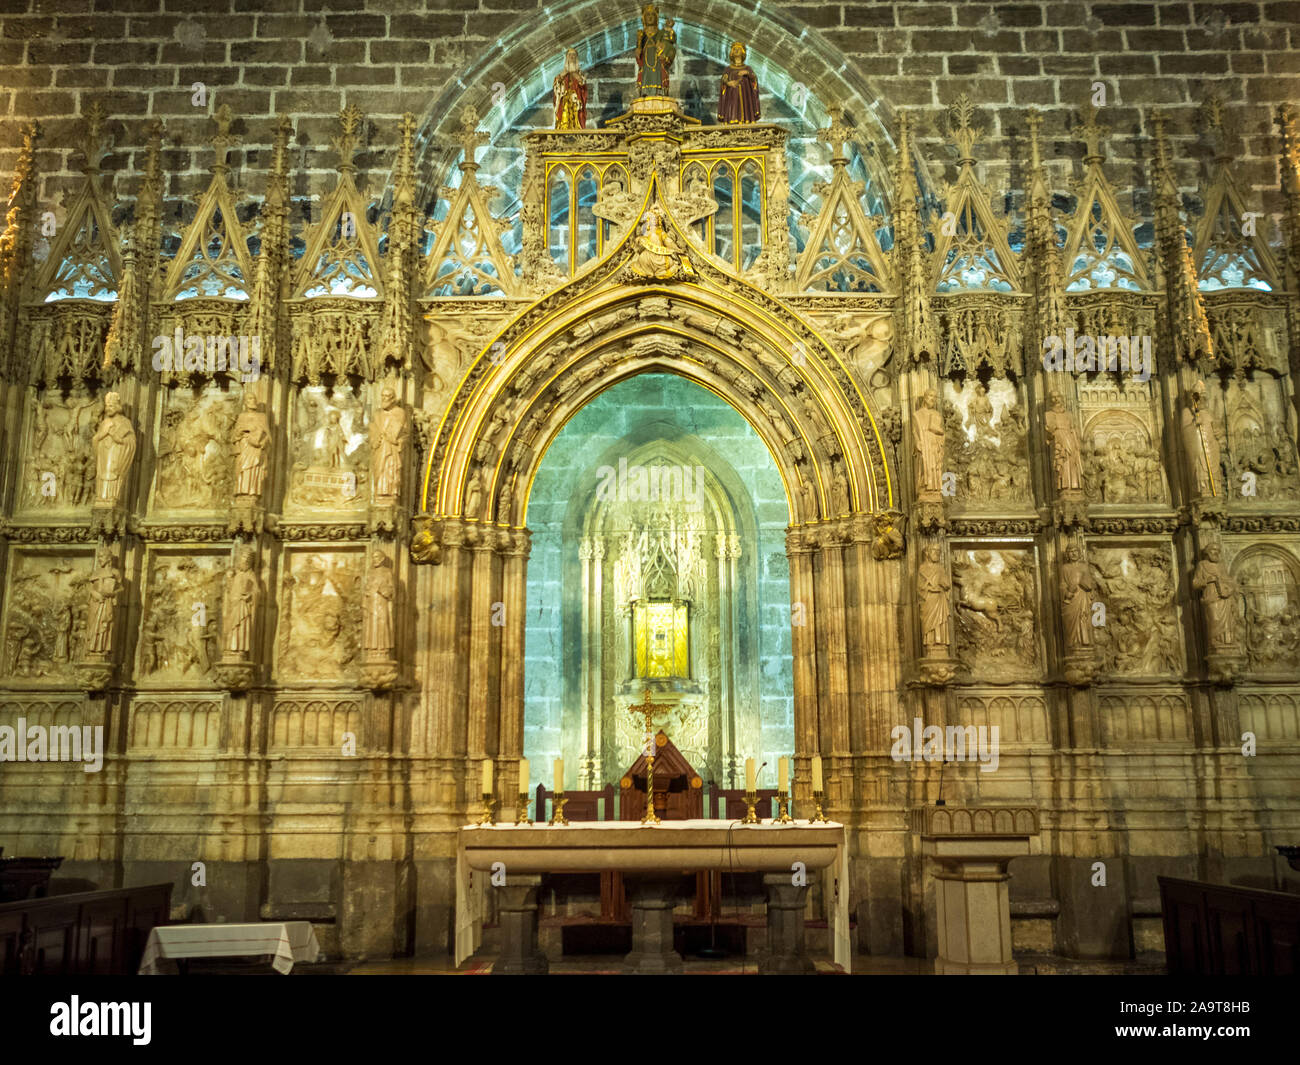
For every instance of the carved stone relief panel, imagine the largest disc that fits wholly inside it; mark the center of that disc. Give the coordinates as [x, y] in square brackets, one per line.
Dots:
[1272, 715]
[996, 597]
[58, 463]
[46, 608]
[181, 629]
[1140, 634]
[319, 635]
[329, 451]
[185, 724]
[1121, 452]
[1261, 452]
[193, 468]
[311, 722]
[986, 443]
[1269, 579]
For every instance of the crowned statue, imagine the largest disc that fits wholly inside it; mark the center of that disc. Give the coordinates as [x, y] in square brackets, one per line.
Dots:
[738, 95]
[656, 49]
[570, 94]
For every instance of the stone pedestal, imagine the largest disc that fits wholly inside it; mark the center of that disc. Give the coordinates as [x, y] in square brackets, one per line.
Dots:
[652, 897]
[972, 847]
[518, 910]
[786, 905]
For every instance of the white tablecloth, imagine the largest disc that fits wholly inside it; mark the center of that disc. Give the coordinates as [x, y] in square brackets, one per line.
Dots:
[288, 941]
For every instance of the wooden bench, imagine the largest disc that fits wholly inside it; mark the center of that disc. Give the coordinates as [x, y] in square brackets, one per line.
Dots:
[1220, 930]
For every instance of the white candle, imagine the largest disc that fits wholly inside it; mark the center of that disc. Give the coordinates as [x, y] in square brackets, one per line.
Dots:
[817, 772]
[487, 776]
[559, 774]
[523, 776]
[749, 775]
[783, 774]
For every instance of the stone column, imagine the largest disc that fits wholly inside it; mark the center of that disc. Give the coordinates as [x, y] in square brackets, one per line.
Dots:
[652, 896]
[786, 904]
[518, 909]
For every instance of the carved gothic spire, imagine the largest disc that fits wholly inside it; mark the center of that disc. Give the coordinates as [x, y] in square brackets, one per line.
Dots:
[915, 332]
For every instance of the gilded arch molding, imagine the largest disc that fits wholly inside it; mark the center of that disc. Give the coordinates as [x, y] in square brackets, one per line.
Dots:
[769, 362]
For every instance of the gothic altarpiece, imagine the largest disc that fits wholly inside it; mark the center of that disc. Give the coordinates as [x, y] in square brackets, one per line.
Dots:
[235, 565]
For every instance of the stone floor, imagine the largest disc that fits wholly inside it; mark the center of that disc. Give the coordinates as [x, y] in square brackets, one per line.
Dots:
[863, 965]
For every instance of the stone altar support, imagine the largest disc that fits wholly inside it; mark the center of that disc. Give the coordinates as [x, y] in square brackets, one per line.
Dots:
[649, 852]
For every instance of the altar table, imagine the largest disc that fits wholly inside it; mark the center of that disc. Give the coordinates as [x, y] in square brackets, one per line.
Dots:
[287, 941]
[668, 847]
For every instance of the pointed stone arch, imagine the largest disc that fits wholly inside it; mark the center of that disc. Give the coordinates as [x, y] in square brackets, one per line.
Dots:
[707, 325]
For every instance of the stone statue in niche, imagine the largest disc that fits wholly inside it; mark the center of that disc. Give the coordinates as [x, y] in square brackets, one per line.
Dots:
[1219, 598]
[378, 638]
[251, 439]
[1077, 589]
[114, 444]
[569, 94]
[389, 433]
[935, 589]
[105, 586]
[738, 93]
[1201, 443]
[474, 494]
[927, 447]
[839, 492]
[239, 608]
[1067, 455]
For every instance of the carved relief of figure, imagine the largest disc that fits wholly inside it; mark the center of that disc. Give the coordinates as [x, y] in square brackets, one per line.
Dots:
[934, 586]
[839, 492]
[251, 438]
[1201, 443]
[474, 493]
[1077, 588]
[334, 442]
[569, 94]
[381, 589]
[239, 607]
[105, 586]
[655, 51]
[659, 258]
[1067, 452]
[981, 412]
[927, 446]
[114, 446]
[388, 436]
[616, 206]
[738, 94]
[1219, 594]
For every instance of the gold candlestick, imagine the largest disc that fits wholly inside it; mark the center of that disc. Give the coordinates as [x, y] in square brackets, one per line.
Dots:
[557, 809]
[750, 818]
[521, 810]
[783, 809]
[489, 810]
[817, 803]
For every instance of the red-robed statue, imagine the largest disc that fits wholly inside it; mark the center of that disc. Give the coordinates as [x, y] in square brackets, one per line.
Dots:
[738, 96]
[570, 92]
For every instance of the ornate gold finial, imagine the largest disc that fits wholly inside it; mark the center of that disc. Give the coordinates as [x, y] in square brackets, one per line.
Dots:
[1092, 133]
[1217, 127]
[350, 119]
[471, 137]
[837, 135]
[963, 133]
[92, 145]
[404, 171]
[222, 140]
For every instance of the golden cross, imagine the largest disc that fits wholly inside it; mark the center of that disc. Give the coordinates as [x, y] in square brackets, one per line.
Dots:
[649, 709]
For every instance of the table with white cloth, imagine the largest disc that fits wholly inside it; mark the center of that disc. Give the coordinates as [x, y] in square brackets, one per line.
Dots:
[286, 941]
